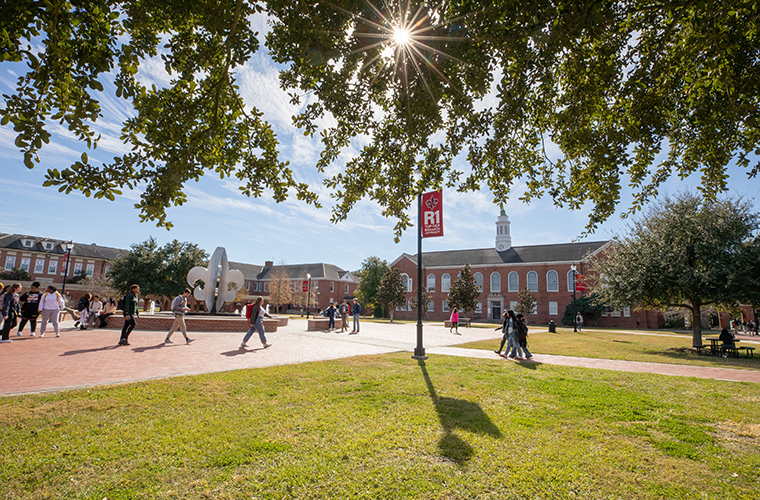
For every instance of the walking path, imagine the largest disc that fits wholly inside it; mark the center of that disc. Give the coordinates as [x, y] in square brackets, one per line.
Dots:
[90, 358]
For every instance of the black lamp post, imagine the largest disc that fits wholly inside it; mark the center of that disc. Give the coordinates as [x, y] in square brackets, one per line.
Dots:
[308, 294]
[69, 246]
[419, 351]
[575, 310]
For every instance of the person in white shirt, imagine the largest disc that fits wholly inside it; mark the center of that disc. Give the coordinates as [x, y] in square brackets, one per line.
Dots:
[51, 304]
[95, 307]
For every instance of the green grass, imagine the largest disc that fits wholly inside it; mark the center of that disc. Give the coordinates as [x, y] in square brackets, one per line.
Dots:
[388, 427]
[610, 344]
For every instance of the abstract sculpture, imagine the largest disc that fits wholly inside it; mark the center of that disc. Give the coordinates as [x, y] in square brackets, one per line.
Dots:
[220, 283]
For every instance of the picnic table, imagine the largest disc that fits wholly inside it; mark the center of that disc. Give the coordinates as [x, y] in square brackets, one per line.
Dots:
[716, 348]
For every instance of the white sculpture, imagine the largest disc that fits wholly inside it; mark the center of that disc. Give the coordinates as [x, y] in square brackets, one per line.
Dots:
[220, 282]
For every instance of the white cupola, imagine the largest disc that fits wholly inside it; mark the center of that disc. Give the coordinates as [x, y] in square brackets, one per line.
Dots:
[503, 239]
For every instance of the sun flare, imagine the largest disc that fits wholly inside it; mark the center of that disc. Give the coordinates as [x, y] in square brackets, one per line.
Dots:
[401, 36]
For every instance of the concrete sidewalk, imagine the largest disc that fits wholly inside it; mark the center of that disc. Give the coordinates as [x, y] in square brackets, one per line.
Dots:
[89, 358]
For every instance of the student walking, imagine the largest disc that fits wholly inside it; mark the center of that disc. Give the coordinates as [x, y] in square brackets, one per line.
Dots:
[356, 311]
[522, 334]
[579, 321]
[256, 322]
[179, 307]
[506, 325]
[51, 305]
[454, 321]
[30, 308]
[343, 309]
[11, 311]
[130, 312]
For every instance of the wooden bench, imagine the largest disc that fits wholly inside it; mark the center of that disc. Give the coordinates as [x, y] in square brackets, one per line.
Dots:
[750, 351]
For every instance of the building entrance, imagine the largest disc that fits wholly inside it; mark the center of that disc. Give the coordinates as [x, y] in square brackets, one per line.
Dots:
[496, 310]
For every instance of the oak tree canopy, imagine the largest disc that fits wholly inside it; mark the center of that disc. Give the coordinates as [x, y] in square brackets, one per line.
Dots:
[572, 98]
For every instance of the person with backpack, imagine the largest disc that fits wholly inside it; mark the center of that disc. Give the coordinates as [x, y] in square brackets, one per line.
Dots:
[522, 334]
[30, 308]
[50, 307]
[11, 309]
[83, 308]
[343, 310]
[130, 312]
[179, 307]
[255, 314]
[356, 311]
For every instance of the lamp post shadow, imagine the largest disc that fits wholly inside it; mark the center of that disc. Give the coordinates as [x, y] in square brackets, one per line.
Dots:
[458, 414]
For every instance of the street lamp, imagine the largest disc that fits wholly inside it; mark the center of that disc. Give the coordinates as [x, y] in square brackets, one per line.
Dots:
[69, 246]
[419, 350]
[575, 311]
[308, 294]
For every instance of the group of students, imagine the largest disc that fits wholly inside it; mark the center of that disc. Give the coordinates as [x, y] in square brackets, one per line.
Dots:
[91, 308]
[343, 309]
[29, 306]
[515, 336]
[747, 327]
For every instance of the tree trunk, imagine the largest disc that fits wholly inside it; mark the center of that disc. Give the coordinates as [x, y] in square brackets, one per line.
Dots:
[696, 325]
[390, 312]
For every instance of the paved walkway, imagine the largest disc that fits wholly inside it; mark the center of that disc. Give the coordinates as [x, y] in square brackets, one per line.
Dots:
[89, 358]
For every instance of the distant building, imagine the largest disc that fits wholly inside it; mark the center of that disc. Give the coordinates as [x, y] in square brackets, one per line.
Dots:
[501, 272]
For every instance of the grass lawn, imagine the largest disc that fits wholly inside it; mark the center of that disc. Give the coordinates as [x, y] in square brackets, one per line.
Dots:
[388, 427]
[640, 346]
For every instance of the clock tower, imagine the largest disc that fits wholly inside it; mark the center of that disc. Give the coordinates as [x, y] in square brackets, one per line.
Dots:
[503, 239]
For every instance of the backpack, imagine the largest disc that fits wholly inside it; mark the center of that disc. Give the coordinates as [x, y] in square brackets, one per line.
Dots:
[82, 304]
[122, 303]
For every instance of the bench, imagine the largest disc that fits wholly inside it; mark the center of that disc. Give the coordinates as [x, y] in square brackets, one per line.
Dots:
[750, 351]
[462, 322]
[700, 348]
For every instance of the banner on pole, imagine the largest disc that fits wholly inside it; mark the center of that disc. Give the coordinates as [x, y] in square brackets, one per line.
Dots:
[432, 214]
[305, 286]
[580, 283]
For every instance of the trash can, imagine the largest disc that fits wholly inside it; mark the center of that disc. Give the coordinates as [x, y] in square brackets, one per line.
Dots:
[552, 327]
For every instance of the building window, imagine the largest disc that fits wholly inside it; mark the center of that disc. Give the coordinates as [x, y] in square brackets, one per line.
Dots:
[409, 304]
[39, 266]
[346, 289]
[77, 269]
[431, 282]
[535, 309]
[552, 281]
[478, 278]
[10, 262]
[408, 281]
[553, 309]
[27, 243]
[53, 267]
[512, 304]
[571, 281]
[332, 287]
[445, 282]
[495, 282]
[431, 306]
[627, 312]
[479, 307]
[106, 270]
[445, 307]
[48, 245]
[26, 263]
[615, 313]
[532, 281]
[316, 285]
[513, 280]
[90, 269]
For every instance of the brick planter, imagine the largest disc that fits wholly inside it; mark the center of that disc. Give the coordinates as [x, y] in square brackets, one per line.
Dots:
[318, 324]
[194, 323]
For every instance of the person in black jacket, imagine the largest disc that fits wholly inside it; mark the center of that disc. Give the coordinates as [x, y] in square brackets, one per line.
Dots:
[11, 310]
[30, 303]
[130, 312]
[728, 340]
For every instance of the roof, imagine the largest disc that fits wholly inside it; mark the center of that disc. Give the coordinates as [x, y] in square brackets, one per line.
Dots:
[88, 251]
[321, 271]
[536, 254]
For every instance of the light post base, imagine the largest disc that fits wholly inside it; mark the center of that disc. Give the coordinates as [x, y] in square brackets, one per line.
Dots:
[419, 354]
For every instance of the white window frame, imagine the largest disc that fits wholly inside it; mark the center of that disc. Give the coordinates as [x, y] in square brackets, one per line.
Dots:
[90, 270]
[532, 285]
[627, 311]
[571, 280]
[346, 289]
[26, 264]
[445, 307]
[477, 278]
[431, 282]
[10, 262]
[479, 307]
[332, 288]
[513, 282]
[446, 282]
[39, 266]
[497, 277]
[552, 281]
[553, 308]
[52, 267]
[431, 306]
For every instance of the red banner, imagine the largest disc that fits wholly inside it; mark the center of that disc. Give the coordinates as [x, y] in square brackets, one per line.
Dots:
[580, 283]
[305, 286]
[432, 214]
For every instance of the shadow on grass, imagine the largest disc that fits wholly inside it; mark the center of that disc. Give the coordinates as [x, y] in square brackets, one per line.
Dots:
[458, 414]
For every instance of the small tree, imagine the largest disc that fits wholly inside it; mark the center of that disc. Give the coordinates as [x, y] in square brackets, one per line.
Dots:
[371, 274]
[526, 302]
[392, 290]
[426, 296]
[279, 289]
[587, 305]
[463, 293]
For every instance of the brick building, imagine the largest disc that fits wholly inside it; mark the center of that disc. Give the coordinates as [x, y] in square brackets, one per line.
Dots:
[503, 270]
[329, 283]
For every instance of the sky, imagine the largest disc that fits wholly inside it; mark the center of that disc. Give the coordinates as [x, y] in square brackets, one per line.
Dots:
[255, 230]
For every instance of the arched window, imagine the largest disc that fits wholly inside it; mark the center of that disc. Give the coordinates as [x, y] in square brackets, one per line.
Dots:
[552, 281]
[532, 281]
[431, 282]
[513, 282]
[570, 281]
[445, 282]
[495, 282]
[478, 279]
[408, 282]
